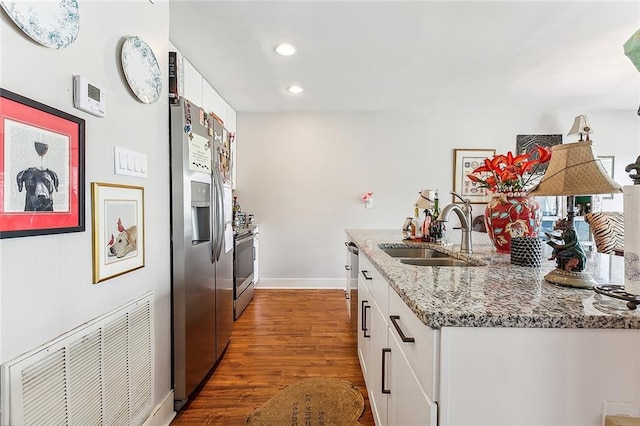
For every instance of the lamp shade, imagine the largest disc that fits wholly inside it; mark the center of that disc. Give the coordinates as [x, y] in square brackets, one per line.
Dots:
[574, 170]
[632, 49]
[425, 200]
[580, 126]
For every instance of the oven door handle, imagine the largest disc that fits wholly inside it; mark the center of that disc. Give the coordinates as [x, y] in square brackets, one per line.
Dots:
[244, 239]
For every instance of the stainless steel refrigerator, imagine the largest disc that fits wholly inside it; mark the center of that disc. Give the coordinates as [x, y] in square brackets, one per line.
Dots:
[201, 250]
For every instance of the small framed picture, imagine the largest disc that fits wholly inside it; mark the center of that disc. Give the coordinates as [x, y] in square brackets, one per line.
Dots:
[466, 161]
[117, 228]
[607, 162]
[41, 168]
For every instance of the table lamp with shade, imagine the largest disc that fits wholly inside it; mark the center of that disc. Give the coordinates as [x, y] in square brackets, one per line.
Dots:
[574, 170]
[580, 127]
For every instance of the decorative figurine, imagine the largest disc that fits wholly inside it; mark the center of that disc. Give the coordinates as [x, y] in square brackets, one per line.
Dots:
[634, 166]
[569, 255]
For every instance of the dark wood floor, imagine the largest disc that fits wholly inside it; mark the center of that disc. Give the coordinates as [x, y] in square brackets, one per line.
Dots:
[283, 336]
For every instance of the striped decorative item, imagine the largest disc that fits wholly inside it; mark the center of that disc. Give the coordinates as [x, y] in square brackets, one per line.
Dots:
[607, 229]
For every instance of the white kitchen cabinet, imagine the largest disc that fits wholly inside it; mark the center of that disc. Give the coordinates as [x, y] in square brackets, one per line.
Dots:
[414, 367]
[498, 376]
[377, 285]
[424, 353]
[348, 269]
[364, 329]
[535, 376]
[408, 404]
[372, 334]
[378, 372]
[213, 102]
[508, 348]
[372, 339]
[192, 84]
[200, 92]
[390, 366]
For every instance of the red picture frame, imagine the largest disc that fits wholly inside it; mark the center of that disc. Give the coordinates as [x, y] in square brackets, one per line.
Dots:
[41, 169]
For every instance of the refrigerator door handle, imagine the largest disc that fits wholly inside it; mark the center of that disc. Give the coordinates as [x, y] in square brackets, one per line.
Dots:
[214, 228]
[219, 214]
[222, 218]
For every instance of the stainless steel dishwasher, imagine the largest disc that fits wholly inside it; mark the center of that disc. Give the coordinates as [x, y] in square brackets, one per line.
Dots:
[351, 284]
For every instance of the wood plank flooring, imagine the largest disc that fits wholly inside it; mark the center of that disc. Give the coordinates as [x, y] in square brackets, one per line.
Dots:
[282, 337]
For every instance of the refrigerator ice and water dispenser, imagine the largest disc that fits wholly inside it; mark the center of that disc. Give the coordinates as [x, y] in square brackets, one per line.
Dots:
[200, 212]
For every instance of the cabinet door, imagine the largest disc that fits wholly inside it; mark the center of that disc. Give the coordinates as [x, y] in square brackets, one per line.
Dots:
[192, 84]
[423, 353]
[348, 269]
[408, 403]
[378, 371]
[364, 329]
[377, 285]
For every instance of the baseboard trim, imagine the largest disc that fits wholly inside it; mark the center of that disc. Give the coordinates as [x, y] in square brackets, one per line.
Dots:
[163, 413]
[301, 283]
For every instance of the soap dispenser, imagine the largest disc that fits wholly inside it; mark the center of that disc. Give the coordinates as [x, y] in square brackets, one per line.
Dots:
[416, 225]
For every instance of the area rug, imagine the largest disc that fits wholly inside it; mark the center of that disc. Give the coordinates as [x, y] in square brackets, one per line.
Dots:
[314, 402]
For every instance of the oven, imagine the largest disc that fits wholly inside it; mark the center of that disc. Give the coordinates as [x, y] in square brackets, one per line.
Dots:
[243, 257]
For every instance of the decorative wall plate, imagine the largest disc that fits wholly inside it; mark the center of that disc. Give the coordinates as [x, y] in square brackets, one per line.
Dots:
[141, 70]
[51, 23]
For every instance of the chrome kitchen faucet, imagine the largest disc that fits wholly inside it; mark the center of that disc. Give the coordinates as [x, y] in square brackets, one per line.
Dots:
[464, 214]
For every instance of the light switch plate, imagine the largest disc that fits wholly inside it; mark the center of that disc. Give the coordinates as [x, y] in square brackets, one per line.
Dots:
[130, 163]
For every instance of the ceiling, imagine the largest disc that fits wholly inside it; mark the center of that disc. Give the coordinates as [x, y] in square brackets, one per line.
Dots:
[415, 55]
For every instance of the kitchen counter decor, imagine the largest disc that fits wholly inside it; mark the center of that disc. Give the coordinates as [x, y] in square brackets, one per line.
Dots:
[618, 292]
[494, 292]
[526, 251]
[511, 215]
[511, 212]
[479, 340]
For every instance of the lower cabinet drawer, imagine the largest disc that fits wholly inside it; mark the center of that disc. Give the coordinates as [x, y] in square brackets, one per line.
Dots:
[375, 282]
[422, 353]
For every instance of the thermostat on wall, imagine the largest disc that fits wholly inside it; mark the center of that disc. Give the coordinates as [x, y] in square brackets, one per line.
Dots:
[88, 97]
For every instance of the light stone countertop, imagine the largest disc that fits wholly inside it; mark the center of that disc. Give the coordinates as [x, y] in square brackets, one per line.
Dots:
[498, 294]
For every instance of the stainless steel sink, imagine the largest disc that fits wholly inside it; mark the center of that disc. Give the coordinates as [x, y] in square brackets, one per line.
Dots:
[436, 261]
[415, 253]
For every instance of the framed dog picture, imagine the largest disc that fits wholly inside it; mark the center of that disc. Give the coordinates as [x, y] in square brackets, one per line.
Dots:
[117, 228]
[41, 168]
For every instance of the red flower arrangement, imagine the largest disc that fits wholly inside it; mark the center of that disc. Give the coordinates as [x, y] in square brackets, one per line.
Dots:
[506, 173]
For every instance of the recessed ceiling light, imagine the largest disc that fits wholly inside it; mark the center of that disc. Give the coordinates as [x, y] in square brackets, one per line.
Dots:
[285, 49]
[295, 89]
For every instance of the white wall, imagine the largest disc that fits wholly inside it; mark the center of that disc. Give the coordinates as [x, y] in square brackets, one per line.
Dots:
[302, 174]
[46, 281]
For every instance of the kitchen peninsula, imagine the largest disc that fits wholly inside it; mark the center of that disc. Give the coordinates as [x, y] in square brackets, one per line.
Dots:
[492, 343]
